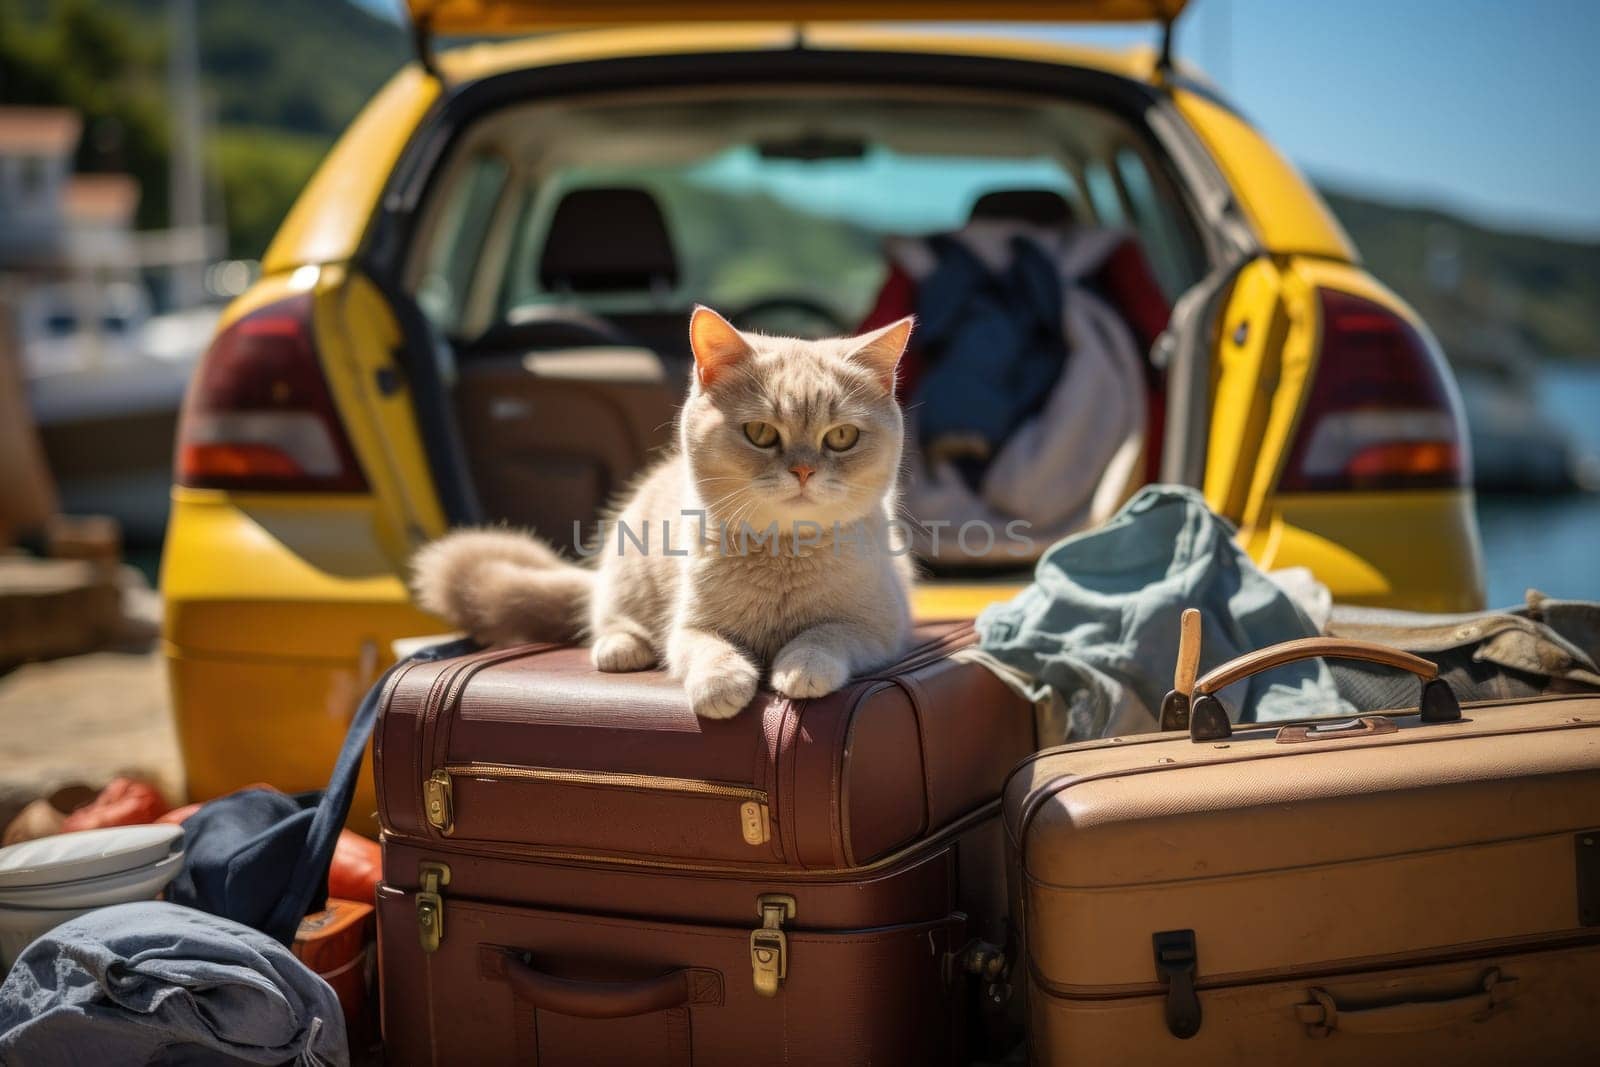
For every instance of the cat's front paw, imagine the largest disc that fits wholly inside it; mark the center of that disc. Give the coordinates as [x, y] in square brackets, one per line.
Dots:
[800, 672]
[622, 651]
[722, 688]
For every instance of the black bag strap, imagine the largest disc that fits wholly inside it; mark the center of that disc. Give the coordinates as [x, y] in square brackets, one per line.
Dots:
[311, 870]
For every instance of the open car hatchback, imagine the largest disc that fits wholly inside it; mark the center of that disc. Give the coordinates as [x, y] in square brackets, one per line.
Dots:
[477, 312]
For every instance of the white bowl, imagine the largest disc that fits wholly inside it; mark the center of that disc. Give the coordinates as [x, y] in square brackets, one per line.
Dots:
[44, 883]
[141, 883]
[84, 854]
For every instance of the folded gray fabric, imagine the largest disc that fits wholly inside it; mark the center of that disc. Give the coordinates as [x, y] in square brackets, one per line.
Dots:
[1544, 646]
[1097, 631]
[155, 983]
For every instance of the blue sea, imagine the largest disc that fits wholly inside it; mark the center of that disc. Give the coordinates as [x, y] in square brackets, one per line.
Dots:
[1550, 543]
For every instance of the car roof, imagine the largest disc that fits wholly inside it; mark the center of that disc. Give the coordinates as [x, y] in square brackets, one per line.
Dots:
[484, 60]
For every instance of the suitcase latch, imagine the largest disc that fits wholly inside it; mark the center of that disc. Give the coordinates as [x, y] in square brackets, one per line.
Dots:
[754, 823]
[769, 946]
[440, 806]
[430, 905]
[1175, 965]
[1587, 844]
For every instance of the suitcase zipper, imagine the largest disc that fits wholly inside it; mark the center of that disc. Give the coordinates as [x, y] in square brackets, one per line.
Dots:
[440, 803]
[755, 815]
[498, 851]
[755, 819]
[453, 678]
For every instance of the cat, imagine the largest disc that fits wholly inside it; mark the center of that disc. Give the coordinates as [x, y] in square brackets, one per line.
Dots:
[765, 539]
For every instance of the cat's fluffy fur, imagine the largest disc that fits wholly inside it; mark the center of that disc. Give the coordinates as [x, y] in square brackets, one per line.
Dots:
[815, 613]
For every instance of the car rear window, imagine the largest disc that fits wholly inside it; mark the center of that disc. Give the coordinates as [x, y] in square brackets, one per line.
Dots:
[452, 256]
[765, 197]
[747, 227]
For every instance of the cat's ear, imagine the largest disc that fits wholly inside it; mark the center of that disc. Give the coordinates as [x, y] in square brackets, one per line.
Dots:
[716, 344]
[882, 348]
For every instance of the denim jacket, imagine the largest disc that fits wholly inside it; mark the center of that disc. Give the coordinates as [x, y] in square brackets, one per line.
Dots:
[1097, 631]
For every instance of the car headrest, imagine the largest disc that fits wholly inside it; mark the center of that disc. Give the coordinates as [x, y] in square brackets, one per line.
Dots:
[1042, 207]
[608, 240]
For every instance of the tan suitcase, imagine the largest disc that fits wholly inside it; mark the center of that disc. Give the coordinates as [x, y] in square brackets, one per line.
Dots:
[1415, 887]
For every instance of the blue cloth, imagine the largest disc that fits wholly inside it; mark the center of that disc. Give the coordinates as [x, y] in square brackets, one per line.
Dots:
[261, 857]
[153, 982]
[1099, 625]
[231, 841]
[993, 343]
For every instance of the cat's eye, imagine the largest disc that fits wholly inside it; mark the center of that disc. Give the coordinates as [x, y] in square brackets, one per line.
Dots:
[761, 434]
[841, 438]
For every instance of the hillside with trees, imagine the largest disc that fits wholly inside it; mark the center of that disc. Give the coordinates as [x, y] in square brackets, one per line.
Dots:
[1483, 290]
[280, 79]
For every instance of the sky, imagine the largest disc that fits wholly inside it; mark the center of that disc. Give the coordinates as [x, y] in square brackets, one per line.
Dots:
[1487, 108]
[1484, 107]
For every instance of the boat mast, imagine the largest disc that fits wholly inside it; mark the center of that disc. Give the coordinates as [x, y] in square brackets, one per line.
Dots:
[186, 177]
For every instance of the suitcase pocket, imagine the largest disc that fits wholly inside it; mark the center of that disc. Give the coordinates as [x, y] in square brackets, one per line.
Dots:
[593, 812]
[559, 989]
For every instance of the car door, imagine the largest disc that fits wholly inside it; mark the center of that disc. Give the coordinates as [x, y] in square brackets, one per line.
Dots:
[1334, 436]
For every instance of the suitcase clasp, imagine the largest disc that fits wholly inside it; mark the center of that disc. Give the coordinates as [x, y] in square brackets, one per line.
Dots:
[430, 905]
[1175, 965]
[769, 945]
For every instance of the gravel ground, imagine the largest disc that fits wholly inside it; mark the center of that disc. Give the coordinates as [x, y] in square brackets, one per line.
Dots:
[86, 719]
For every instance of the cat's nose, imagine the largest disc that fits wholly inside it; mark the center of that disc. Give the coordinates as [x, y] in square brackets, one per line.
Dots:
[803, 472]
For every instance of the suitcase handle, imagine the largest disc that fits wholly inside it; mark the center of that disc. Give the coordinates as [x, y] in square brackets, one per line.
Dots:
[1264, 659]
[585, 999]
[1324, 1017]
[1208, 720]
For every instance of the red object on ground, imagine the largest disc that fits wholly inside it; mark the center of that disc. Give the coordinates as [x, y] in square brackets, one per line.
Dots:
[123, 802]
[337, 944]
[357, 868]
[177, 815]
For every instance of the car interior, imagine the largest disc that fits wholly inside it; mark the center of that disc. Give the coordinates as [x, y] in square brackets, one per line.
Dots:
[563, 244]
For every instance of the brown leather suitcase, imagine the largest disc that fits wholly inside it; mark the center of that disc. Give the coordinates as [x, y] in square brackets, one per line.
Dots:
[1412, 887]
[579, 871]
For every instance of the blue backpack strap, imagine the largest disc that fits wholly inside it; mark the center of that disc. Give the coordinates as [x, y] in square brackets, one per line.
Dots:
[311, 869]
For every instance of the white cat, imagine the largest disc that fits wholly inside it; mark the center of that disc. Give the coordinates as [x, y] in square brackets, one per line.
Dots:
[765, 539]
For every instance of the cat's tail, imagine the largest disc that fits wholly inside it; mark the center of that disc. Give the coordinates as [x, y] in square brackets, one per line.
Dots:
[501, 586]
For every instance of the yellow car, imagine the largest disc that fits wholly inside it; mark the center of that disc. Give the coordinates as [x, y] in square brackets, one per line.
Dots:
[477, 311]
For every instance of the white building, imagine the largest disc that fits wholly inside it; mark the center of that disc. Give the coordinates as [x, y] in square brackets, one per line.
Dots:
[69, 255]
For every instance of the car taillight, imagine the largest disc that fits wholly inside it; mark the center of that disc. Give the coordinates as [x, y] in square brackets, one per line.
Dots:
[258, 415]
[1383, 411]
